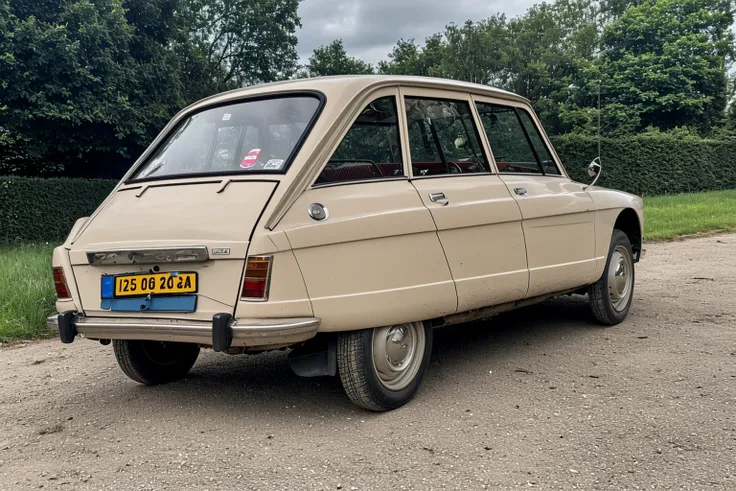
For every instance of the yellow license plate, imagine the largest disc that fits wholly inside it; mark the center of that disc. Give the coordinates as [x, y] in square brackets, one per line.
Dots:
[155, 283]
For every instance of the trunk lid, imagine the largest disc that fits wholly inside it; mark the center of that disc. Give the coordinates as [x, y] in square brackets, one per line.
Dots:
[174, 217]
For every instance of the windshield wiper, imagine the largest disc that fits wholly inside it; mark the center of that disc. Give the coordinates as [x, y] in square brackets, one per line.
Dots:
[154, 169]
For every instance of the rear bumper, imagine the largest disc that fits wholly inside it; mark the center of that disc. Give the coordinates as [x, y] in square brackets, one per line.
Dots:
[246, 333]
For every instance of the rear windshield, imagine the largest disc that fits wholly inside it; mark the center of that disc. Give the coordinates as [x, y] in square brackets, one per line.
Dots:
[250, 137]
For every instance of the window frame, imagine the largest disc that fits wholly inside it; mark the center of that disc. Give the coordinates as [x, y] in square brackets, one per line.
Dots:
[400, 122]
[544, 138]
[182, 118]
[450, 96]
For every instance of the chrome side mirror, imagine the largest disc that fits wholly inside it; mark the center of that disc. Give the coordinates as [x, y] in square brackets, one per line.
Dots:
[594, 171]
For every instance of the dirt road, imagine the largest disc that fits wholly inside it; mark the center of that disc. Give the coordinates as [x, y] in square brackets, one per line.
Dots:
[536, 398]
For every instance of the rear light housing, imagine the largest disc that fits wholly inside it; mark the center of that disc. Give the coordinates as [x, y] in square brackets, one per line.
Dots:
[62, 290]
[257, 279]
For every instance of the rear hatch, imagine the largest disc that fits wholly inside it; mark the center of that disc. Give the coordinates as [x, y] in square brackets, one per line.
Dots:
[159, 229]
[189, 209]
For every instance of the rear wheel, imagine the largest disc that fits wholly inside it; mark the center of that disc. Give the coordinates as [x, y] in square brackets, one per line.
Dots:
[381, 368]
[611, 296]
[154, 362]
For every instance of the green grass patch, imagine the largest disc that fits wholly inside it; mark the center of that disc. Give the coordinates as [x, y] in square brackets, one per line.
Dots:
[27, 294]
[679, 215]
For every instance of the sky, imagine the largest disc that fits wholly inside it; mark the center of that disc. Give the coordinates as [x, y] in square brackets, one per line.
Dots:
[370, 28]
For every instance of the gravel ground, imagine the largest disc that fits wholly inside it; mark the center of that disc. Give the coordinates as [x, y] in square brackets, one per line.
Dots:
[539, 398]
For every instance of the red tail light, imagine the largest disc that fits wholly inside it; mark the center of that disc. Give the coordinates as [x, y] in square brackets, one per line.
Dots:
[62, 290]
[257, 278]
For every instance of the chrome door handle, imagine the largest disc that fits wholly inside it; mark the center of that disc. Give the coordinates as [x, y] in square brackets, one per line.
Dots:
[439, 198]
[520, 191]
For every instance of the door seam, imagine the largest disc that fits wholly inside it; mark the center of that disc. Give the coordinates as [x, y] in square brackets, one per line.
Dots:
[444, 253]
[523, 234]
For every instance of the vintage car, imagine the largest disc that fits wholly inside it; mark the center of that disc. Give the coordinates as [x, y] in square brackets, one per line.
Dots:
[344, 218]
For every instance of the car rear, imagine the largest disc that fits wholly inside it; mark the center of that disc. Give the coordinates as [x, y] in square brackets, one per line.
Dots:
[167, 253]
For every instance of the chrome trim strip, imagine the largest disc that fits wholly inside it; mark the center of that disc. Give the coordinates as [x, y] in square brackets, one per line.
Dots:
[246, 332]
[154, 255]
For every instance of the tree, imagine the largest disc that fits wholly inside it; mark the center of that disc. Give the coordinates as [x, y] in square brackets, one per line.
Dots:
[669, 59]
[244, 41]
[334, 60]
[86, 85]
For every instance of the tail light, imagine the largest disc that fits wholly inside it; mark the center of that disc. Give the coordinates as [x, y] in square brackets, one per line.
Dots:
[62, 290]
[257, 278]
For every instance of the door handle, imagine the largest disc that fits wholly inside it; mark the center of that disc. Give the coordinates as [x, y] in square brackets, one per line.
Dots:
[439, 198]
[520, 191]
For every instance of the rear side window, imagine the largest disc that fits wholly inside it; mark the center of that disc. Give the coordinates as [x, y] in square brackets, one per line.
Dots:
[248, 137]
[443, 138]
[371, 149]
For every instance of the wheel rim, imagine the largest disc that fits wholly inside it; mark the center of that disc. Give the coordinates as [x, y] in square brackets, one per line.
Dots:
[620, 277]
[161, 353]
[397, 353]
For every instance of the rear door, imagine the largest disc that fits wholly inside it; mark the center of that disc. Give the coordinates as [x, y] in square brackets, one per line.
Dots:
[370, 255]
[558, 215]
[478, 221]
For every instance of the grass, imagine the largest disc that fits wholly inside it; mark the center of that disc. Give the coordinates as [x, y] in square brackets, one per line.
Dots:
[26, 292]
[681, 215]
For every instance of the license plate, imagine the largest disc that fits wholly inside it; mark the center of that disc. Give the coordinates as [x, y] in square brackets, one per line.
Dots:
[155, 283]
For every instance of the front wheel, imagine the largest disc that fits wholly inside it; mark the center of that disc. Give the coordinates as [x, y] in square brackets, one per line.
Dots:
[381, 369]
[610, 297]
[155, 362]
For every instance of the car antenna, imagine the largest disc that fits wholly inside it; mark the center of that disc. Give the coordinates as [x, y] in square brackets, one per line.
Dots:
[596, 166]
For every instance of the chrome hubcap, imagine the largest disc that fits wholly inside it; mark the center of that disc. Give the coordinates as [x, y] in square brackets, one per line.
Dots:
[620, 277]
[397, 353]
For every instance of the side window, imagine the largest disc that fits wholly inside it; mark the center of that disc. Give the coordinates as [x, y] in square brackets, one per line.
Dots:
[443, 138]
[371, 149]
[508, 140]
[548, 163]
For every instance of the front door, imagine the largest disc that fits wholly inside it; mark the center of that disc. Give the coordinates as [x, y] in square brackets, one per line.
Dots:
[478, 222]
[558, 215]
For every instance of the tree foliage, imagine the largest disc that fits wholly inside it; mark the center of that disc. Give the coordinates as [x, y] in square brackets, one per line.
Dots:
[656, 63]
[85, 85]
[334, 60]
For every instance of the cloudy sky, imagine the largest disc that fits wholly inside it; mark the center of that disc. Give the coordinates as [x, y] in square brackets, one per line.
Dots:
[370, 28]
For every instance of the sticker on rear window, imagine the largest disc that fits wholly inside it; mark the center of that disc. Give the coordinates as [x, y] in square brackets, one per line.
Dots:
[226, 117]
[273, 164]
[250, 159]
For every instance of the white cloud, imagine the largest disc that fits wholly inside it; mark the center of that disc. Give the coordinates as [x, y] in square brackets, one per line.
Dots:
[370, 28]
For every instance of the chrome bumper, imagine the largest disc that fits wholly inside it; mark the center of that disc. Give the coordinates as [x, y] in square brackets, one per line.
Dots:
[246, 333]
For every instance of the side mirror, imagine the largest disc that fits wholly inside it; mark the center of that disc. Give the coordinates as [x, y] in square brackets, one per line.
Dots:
[594, 171]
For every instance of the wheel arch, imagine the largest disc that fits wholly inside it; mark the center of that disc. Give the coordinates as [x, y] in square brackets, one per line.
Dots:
[628, 222]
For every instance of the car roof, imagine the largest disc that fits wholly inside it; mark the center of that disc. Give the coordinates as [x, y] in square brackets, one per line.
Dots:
[348, 86]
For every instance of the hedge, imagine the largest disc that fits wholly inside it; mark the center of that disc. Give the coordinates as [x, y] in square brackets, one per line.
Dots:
[35, 209]
[653, 165]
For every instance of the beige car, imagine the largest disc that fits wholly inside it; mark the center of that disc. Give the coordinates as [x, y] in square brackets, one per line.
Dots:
[344, 218]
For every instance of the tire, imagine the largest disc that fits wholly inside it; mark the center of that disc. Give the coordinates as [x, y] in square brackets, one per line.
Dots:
[611, 296]
[154, 362]
[378, 374]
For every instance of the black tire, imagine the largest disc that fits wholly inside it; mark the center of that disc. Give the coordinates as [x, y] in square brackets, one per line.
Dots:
[360, 377]
[606, 308]
[153, 362]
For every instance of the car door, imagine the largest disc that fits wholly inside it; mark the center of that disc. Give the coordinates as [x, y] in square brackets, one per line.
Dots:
[558, 215]
[365, 243]
[478, 222]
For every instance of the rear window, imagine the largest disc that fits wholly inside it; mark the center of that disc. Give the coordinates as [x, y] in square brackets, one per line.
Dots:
[258, 136]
